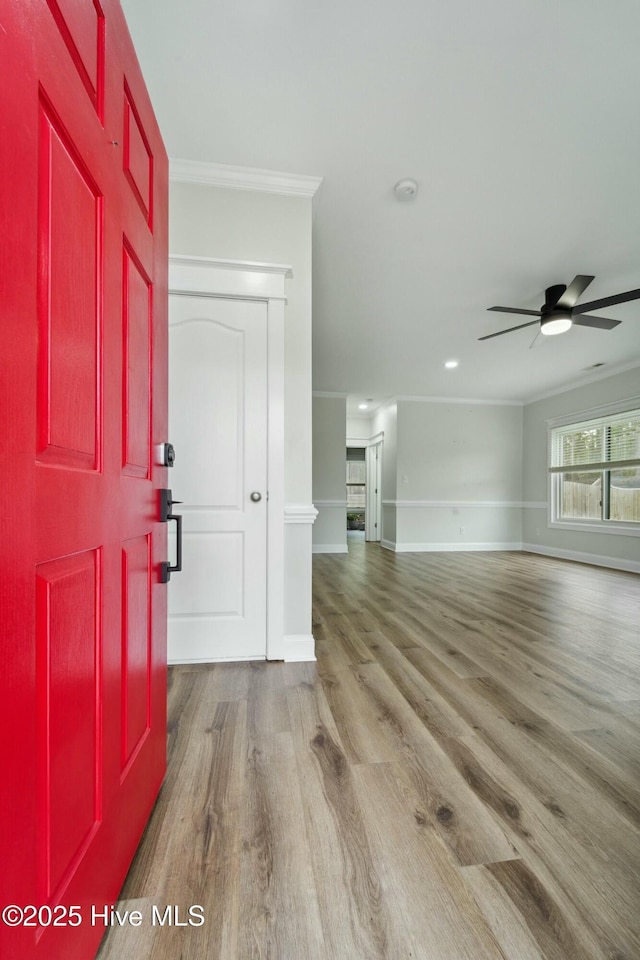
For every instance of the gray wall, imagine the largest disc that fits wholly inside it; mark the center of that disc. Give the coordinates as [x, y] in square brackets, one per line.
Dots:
[359, 428]
[537, 535]
[329, 474]
[458, 477]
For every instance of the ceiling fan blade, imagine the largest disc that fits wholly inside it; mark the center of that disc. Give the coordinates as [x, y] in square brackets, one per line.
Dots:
[525, 313]
[603, 323]
[574, 291]
[607, 301]
[500, 332]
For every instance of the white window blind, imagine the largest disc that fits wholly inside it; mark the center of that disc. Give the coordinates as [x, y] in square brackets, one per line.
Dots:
[356, 478]
[603, 443]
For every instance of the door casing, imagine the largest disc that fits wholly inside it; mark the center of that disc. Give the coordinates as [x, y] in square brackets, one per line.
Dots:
[209, 277]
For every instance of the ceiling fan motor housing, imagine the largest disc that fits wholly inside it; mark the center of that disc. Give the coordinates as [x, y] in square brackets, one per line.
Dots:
[551, 297]
[555, 319]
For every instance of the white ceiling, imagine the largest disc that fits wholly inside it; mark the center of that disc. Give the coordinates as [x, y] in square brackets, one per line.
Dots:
[518, 118]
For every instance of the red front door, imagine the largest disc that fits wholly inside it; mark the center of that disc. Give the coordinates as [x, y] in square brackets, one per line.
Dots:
[83, 259]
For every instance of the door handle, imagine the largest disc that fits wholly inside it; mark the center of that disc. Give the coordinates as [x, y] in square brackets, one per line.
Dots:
[256, 496]
[166, 514]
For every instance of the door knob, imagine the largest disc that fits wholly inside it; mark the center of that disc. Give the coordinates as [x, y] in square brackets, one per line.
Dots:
[256, 497]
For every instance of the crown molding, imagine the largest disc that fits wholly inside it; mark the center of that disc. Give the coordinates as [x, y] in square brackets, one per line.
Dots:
[613, 371]
[242, 178]
[470, 400]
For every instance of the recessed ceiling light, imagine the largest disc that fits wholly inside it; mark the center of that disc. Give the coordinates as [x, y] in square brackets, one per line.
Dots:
[451, 364]
[363, 406]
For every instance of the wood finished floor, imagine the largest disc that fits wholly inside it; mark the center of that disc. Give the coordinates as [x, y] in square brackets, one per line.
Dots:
[457, 778]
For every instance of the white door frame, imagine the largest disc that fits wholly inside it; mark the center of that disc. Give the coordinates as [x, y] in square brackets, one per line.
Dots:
[373, 482]
[239, 279]
[373, 491]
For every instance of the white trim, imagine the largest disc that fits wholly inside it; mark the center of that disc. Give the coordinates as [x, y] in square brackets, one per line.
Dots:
[330, 548]
[596, 559]
[584, 381]
[331, 503]
[211, 277]
[604, 526]
[299, 649]
[233, 177]
[593, 413]
[475, 401]
[299, 513]
[246, 266]
[447, 547]
[458, 503]
[275, 478]
[192, 277]
[615, 563]
[176, 663]
[369, 442]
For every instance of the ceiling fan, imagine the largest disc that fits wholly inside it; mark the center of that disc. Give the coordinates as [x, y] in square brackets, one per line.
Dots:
[559, 312]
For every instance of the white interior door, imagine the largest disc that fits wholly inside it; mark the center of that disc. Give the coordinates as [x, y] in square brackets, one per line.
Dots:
[373, 511]
[218, 425]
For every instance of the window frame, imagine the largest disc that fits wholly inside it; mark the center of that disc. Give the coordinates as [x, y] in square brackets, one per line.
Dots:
[588, 524]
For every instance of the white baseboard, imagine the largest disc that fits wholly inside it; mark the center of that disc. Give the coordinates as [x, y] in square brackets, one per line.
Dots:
[177, 661]
[596, 559]
[299, 649]
[329, 548]
[446, 547]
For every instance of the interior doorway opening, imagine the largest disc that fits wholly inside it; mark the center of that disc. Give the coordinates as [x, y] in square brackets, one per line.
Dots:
[356, 481]
[364, 491]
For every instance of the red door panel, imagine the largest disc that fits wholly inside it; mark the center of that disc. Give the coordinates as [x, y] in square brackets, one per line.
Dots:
[81, 26]
[136, 648]
[83, 287]
[136, 369]
[69, 302]
[68, 666]
[138, 159]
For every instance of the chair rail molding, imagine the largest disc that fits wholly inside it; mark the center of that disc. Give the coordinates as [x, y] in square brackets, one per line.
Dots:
[518, 504]
[300, 513]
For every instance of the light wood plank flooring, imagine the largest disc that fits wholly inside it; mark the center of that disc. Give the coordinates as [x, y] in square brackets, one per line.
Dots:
[457, 778]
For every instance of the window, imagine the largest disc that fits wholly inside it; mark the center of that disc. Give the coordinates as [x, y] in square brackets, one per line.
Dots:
[595, 472]
[356, 478]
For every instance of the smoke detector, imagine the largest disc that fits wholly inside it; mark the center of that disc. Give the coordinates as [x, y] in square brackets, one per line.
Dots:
[406, 189]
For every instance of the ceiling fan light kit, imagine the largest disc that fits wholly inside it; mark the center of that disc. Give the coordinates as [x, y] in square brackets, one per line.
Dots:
[556, 323]
[561, 311]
